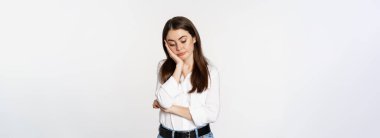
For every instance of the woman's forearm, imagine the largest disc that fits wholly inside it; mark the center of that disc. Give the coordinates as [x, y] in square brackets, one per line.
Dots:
[180, 111]
[177, 72]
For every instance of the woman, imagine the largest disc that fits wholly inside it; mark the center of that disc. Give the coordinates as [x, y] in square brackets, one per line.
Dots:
[187, 91]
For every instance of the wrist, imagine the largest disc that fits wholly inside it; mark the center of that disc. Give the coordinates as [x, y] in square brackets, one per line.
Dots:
[179, 65]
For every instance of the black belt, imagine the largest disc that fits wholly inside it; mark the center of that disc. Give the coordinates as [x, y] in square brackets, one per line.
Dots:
[166, 133]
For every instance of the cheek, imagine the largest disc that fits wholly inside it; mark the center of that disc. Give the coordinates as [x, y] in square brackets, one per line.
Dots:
[173, 49]
[190, 48]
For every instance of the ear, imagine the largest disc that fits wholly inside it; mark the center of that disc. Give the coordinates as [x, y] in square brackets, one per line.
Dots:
[194, 40]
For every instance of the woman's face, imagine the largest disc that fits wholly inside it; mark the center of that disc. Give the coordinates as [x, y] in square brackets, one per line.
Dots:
[181, 43]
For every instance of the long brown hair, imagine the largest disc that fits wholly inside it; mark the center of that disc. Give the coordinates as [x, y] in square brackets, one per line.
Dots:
[200, 74]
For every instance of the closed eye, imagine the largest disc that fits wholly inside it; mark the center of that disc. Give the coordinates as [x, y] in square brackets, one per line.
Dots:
[183, 40]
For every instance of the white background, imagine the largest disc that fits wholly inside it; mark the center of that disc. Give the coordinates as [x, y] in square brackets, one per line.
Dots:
[289, 68]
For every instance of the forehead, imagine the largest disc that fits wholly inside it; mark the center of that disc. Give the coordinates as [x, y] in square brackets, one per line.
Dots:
[176, 34]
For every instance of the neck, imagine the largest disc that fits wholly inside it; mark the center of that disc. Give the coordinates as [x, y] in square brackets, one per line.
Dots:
[189, 61]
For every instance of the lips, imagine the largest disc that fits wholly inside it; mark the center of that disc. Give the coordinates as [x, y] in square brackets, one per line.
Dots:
[181, 54]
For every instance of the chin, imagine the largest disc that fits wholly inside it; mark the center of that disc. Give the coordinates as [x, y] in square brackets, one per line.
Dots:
[183, 58]
[186, 56]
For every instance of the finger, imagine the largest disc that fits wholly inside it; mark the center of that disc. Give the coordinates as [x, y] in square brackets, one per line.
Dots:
[171, 53]
[167, 47]
[157, 106]
[154, 104]
[166, 43]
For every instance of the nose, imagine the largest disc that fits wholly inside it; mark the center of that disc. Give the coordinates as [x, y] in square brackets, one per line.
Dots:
[179, 47]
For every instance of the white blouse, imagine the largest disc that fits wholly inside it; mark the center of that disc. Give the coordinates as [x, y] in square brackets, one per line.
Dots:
[204, 107]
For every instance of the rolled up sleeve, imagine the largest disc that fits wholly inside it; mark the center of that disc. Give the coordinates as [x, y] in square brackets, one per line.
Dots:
[209, 112]
[168, 91]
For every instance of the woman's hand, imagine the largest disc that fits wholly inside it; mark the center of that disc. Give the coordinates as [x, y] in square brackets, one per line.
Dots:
[176, 59]
[175, 109]
[179, 110]
[156, 105]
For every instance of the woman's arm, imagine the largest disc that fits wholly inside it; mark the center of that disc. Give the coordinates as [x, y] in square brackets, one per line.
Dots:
[180, 111]
[179, 63]
[200, 115]
[167, 92]
[175, 109]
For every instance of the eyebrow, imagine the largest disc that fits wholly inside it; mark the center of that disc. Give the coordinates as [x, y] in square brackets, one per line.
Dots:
[178, 38]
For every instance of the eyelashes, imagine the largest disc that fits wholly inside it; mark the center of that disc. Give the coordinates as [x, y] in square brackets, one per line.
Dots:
[183, 42]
